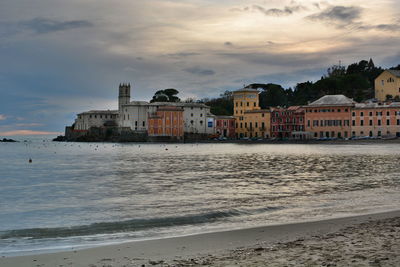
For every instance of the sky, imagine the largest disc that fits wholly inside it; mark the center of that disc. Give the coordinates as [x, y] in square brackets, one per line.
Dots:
[59, 58]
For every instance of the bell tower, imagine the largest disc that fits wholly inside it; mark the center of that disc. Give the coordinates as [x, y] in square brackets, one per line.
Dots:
[124, 96]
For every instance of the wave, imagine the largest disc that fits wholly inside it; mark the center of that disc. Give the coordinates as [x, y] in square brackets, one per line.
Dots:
[123, 226]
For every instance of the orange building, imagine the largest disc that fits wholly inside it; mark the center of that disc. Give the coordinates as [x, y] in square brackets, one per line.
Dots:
[166, 121]
[329, 117]
[376, 120]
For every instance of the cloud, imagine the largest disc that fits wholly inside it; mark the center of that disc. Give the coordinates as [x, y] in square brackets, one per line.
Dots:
[44, 25]
[199, 71]
[183, 54]
[28, 124]
[338, 14]
[28, 132]
[2, 117]
[286, 11]
[275, 59]
[381, 27]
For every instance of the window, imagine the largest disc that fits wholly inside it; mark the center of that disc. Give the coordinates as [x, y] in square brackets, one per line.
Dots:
[338, 110]
[354, 123]
[387, 113]
[191, 122]
[201, 122]
[398, 122]
[135, 122]
[241, 104]
[256, 124]
[387, 122]
[362, 123]
[346, 110]
[379, 122]
[362, 114]
[370, 122]
[254, 103]
[237, 104]
[201, 115]
[248, 104]
[245, 125]
[354, 113]
[144, 124]
[191, 114]
[370, 113]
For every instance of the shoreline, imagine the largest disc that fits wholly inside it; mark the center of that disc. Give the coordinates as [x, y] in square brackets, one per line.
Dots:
[209, 248]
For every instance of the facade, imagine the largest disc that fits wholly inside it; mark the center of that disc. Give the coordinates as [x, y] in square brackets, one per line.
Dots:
[225, 126]
[166, 121]
[245, 99]
[134, 114]
[329, 117]
[95, 118]
[387, 84]
[285, 122]
[256, 123]
[197, 118]
[376, 120]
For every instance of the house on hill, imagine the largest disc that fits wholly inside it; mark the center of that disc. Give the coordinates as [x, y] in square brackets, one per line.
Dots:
[387, 85]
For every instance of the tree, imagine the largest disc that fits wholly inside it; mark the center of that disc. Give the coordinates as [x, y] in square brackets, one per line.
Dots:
[272, 95]
[166, 95]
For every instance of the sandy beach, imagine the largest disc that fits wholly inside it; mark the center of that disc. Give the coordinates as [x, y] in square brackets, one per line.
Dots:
[365, 240]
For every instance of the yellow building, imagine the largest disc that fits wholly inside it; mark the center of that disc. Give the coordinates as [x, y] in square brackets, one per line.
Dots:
[387, 84]
[251, 121]
[256, 123]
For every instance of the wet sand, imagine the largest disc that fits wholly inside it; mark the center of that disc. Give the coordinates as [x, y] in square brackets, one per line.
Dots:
[366, 240]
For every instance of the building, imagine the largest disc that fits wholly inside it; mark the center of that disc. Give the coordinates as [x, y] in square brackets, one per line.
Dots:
[256, 123]
[329, 117]
[225, 126]
[166, 121]
[376, 120]
[95, 118]
[287, 123]
[387, 85]
[245, 99]
[134, 115]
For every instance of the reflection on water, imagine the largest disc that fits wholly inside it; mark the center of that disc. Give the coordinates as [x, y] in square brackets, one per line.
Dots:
[94, 193]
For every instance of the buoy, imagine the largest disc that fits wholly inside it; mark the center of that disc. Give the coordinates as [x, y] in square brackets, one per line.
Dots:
[30, 160]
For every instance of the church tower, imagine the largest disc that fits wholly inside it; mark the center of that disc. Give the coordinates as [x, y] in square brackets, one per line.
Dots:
[124, 96]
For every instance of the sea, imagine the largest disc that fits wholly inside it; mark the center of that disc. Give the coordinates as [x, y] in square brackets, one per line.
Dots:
[80, 195]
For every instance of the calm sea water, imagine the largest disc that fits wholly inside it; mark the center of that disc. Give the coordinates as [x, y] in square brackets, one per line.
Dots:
[77, 195]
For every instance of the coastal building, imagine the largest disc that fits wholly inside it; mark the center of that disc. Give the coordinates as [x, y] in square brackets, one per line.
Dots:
[225, 126]
[256, 123]
[95, 118]
[134, 115]
[376, 120]
[166, 121]
[287, 123]
[245, 99]
[387, 85]
[329, 117]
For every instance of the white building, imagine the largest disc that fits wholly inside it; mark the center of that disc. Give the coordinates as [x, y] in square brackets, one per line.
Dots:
[95, 118]
[134, 114]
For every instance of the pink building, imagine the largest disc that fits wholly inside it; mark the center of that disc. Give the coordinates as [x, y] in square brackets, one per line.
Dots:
[225, 126]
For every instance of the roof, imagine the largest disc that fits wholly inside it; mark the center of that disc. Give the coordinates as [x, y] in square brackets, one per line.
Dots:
[377, 105]
[107, 112]
[223, 117]
[257, 111]
[246, 89]
[395, 73]
[170, 108]
[332, 100]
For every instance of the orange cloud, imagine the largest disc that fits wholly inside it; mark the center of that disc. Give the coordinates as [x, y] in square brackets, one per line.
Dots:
[27, 132]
